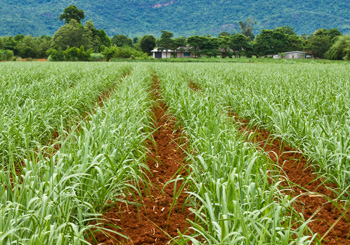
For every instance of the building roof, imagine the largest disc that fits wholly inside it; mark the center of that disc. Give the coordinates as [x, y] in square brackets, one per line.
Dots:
[293, 52]
[162, 50]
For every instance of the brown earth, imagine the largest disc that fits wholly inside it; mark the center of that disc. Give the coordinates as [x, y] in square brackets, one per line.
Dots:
[194, 87]
[303, 180]
[329, 219]
[155, 221]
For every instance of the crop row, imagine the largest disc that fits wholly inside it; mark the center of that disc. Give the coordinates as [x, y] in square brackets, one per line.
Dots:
[37, 99]
[233, 197]
[56, 198]
[305, 105]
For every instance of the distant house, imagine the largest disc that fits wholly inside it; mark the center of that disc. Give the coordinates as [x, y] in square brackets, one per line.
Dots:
[181, 52]
[161, 54]
[297, 55]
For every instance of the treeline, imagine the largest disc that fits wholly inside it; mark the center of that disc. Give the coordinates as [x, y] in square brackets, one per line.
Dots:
[77, 42]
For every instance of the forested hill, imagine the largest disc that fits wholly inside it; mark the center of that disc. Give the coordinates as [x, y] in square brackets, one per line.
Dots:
[183, 17]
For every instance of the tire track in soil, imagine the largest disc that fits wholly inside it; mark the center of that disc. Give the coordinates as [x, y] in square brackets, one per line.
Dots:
[301, 180]
[148, 223]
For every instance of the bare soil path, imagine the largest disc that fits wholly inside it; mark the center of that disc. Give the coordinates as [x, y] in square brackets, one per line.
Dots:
[157, 220]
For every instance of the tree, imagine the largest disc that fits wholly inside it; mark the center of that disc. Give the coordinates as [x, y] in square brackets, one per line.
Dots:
[55, 55]
[195, 42]
[224, 34]
[295, 43]
[224, 43]
[2, 43]
[239, 43]
[210, 46]
[109, 53]
[165, 41]
[6, 55]
[70, 34]
[179, 42]
[29, 47]
[319, 45]
[206, 45]
[121, 41]
[271, 42]
[148, 43]
[104, 39]
[340, 49]
[286, 30]
[247, 28]
[91, 38]
[332, 33]
[72, 13]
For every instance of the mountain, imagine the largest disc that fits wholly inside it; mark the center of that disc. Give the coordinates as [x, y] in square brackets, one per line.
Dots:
[183, 17]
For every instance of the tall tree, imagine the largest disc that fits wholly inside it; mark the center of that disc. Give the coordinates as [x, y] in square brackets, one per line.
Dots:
[165, 41]
[69, 35]
[72, 13]
[195, 42]
[147, 43]
[91, 39]
[247, 28]
[105, 40]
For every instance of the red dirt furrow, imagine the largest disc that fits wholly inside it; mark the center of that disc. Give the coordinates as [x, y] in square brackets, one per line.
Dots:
[155, 221]
[296, 169]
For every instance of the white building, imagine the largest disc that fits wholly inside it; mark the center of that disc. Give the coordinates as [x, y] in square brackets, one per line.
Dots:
[181, 52]
[297, 55]
[160, 54]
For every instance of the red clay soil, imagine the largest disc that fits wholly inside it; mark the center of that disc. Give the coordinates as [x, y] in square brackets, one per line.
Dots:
[298, 171]
[194, 87]
[149, 223]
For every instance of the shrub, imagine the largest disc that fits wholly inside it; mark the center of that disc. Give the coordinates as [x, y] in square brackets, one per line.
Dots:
[6, 55]
[97, 57]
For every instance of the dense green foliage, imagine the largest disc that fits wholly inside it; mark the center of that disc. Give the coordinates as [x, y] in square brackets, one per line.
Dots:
[137, 18]
[340, 50]
[72, 13]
